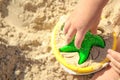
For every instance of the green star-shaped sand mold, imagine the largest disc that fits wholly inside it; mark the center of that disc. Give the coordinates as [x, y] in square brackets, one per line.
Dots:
[89, 41]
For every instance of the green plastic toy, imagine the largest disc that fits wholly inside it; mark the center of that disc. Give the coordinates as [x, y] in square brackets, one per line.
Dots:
[89, 41]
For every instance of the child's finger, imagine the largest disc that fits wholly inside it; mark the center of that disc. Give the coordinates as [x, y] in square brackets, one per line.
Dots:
[95, 23]
[70, 34]
[115, 55]
[114, 62]
[93, 27]
[66, 27]
[94, 30]
[79, 38]
[114, 67]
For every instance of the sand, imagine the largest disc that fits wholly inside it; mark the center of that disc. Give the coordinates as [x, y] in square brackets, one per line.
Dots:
[25, 33]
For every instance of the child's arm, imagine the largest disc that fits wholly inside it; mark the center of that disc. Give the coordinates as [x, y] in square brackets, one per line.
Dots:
[85, 16]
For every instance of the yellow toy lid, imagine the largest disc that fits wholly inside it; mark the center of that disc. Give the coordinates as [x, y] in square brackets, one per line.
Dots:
[73, 69]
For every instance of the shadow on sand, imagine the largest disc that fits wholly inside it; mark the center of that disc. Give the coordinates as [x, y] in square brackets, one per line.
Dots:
[3, 7]
[13, 63]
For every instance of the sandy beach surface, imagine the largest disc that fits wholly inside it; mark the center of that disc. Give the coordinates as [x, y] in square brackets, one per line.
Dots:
[25, 34]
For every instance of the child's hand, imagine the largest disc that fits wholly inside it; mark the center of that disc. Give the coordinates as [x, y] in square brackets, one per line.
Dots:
[85, 16]
[114, 57]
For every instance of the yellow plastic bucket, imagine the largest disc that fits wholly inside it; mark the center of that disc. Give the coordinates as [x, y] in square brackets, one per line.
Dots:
[73, 69]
